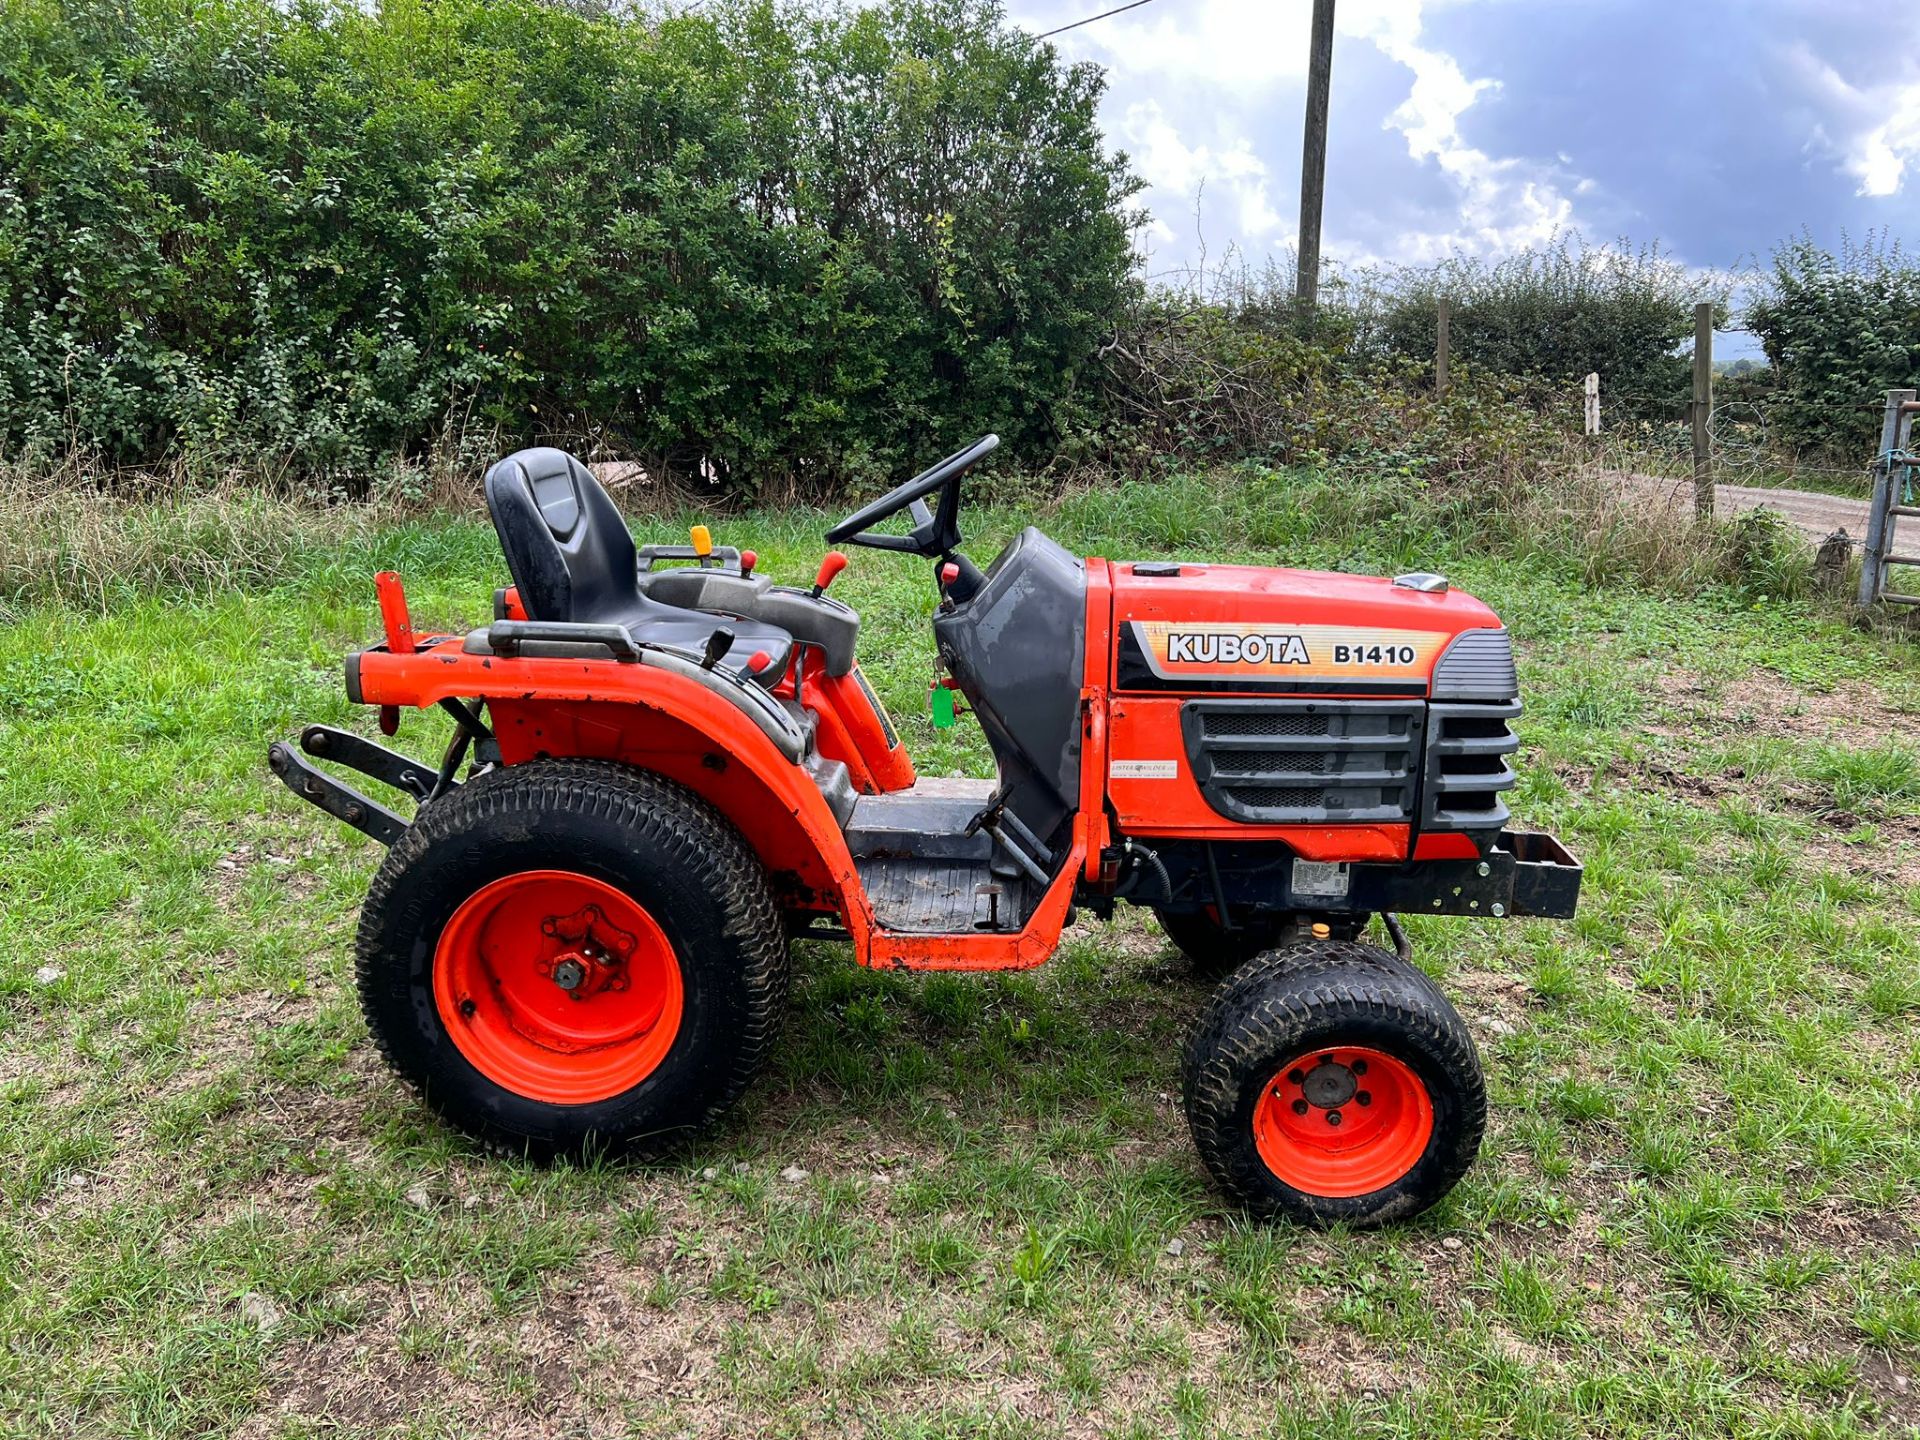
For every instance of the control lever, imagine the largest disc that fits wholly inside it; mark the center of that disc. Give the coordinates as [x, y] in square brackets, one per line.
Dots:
[748, 559]
[830, 565]
[718, 644]
[702, 539]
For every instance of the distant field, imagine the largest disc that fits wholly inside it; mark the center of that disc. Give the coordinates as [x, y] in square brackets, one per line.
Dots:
[1698, 1212]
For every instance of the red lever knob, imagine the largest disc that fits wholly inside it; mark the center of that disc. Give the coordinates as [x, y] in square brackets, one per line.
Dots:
[949, 573]
[830, 565]
[759, 661]
[747, 561]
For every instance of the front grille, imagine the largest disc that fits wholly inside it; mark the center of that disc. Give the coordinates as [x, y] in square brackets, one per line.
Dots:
[1290, 761]
[1467, 750]
[1264, 721]
[1293, 797]
[1298, 762]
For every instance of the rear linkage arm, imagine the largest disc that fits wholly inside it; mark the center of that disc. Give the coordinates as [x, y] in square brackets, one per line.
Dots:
[406, 775]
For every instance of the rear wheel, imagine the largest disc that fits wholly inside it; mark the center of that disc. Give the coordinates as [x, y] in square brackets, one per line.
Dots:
[1329, 1087]
[573, 955]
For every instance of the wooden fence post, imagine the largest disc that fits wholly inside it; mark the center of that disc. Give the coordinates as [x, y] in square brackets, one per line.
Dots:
[1593, 402]
[1703, 409]
[1443, 325]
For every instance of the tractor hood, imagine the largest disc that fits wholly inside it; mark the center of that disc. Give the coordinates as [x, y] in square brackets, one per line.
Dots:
[1196, 627]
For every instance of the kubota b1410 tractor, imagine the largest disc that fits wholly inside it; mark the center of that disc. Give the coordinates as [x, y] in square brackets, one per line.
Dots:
[665, 767]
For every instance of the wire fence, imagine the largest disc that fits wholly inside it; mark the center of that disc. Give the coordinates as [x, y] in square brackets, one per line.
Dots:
[1748, 439]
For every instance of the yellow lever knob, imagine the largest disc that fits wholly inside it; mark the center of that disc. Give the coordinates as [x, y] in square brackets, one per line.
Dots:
[702, 541]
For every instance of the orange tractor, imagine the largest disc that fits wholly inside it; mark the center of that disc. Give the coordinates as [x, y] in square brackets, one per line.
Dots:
[665, 768]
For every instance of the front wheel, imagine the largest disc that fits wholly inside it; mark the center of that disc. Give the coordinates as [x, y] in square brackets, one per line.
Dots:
[570, 956]
[1335, 1092]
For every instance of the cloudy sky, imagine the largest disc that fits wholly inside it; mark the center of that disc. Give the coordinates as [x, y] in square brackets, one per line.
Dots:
[1716, 127]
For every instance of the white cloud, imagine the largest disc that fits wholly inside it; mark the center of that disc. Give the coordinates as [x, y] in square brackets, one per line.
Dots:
[1505, 203]
[1176, 168]
[1243, 46]
[1223, 59]
[1880, 156]
[1873, 129]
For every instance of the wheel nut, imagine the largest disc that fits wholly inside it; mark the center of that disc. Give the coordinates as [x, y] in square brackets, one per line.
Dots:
[1299, 1107]
[1294, 1077]
[1359, 1067]
[569, 973]
[1365, 1097]
[467, 1008]
[1333, 1117]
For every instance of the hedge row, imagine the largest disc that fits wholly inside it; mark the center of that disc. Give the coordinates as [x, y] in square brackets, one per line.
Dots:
[758, 243]
[1839, 329]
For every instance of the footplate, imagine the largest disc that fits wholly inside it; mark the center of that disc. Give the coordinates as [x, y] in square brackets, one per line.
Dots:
[341, 800]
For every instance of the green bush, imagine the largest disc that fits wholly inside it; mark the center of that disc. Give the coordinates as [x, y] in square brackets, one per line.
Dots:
[759, 244]
[1552, 314]
[1838, 329]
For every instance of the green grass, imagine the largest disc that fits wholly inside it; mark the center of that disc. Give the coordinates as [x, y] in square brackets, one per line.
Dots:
[1695, 1213]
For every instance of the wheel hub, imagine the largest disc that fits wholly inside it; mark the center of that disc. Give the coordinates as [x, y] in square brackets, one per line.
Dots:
[1329, 1084]
[558, 986]
[1343, 1121]
[591, 953]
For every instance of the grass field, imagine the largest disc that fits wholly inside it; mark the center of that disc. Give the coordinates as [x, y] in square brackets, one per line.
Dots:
[1698, 1210]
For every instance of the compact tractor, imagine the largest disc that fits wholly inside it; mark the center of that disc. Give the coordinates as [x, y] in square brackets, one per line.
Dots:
[666, 767]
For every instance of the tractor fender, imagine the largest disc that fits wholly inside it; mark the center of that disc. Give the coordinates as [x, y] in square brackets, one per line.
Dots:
[667, 714]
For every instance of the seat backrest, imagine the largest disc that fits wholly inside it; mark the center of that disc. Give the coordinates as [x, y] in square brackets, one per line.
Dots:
[567, 545]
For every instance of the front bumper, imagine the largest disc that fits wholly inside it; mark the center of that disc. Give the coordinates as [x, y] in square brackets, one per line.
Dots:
[1524, 873]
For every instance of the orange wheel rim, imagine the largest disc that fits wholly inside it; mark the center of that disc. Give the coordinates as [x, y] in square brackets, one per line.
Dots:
[558, 987]
[1342, 1121]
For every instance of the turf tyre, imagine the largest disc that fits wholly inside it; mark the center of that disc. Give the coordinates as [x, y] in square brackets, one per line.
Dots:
[1330, 995]
[650, 839]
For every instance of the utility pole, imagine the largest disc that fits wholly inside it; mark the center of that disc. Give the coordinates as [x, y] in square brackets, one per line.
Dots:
[1313, 156]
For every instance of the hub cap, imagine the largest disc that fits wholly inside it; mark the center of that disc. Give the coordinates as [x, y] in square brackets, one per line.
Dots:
[1342, 1121]
[558, 987]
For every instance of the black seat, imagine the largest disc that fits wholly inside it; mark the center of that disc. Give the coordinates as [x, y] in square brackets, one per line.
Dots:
[572, 559]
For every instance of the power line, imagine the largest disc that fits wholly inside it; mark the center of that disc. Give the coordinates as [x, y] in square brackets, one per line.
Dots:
[1091, 18]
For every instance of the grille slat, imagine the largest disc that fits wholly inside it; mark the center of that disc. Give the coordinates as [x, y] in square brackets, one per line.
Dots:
[1467, 770]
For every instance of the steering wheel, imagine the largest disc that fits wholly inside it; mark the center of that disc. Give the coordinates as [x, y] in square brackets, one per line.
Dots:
[934, 533]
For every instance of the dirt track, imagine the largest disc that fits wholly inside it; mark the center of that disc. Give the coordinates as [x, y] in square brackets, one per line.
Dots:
[1814, 515]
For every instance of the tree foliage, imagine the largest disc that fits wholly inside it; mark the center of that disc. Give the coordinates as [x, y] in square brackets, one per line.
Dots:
[760, 242]
[1838, 329]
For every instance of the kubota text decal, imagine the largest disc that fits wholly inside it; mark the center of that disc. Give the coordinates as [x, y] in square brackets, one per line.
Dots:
[1180, 651]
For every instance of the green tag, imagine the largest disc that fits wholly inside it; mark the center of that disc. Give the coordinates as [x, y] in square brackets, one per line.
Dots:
[942, 703]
